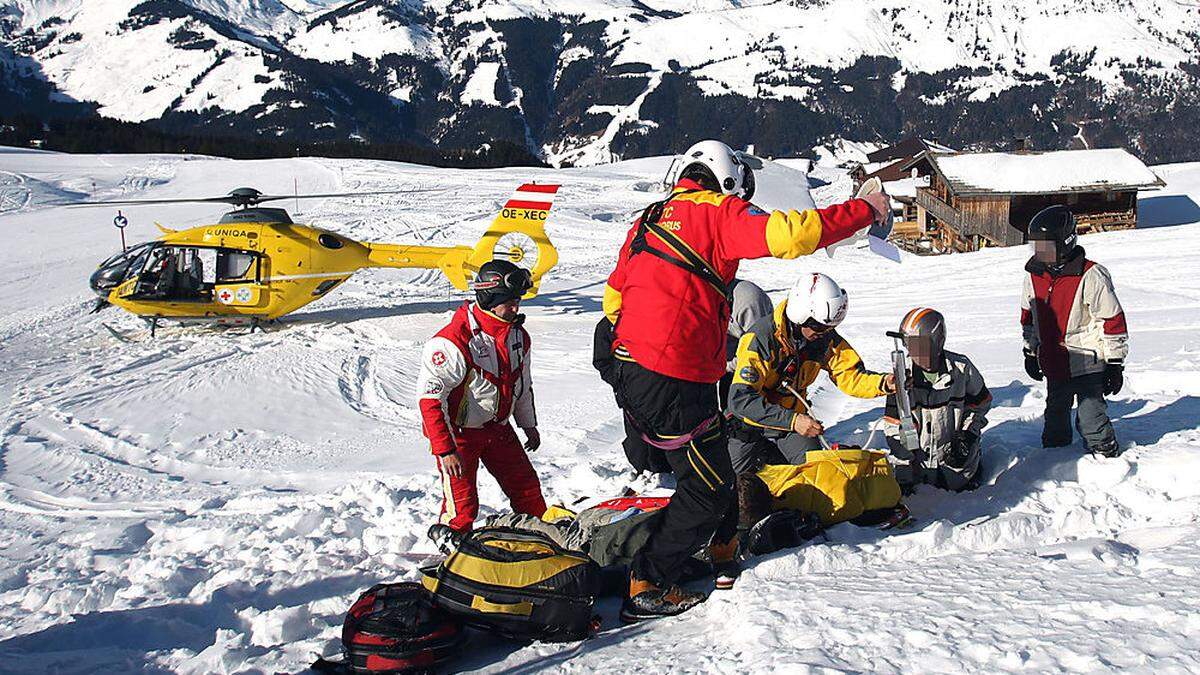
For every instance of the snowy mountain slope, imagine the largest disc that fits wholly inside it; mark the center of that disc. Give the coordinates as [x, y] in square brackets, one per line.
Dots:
[211, 501]
[584, 82]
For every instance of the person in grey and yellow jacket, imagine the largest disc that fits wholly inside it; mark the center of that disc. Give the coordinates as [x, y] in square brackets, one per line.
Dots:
[777, 360]
[949, 402]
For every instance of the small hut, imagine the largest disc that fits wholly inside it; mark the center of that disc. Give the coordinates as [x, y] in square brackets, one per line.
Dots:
[888, 164]
[891, 165]
[977, 200]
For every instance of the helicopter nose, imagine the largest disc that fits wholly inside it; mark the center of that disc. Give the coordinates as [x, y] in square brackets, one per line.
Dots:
[104, 280]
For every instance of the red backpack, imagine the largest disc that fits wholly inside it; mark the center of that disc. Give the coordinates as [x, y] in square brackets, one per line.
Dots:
[395, 628]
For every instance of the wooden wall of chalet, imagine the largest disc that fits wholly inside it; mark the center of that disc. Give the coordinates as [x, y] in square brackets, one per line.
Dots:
[988, 216]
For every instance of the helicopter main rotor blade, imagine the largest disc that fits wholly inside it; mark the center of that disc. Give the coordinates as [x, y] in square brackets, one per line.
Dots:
[145, 202]
[234, 200]
[335, 195]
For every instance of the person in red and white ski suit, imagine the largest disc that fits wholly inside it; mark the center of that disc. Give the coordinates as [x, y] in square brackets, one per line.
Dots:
[474, 376]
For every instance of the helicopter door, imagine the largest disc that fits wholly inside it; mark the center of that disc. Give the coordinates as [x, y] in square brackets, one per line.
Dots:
[238, 280]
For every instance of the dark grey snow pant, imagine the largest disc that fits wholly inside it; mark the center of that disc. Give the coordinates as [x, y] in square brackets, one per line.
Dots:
[1091, 418]
[750, 451]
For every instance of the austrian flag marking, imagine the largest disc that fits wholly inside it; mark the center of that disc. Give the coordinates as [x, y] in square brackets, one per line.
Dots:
[533, 196]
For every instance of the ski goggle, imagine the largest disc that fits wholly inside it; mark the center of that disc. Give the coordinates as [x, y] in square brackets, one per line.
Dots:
[518, 281]
[816, 326]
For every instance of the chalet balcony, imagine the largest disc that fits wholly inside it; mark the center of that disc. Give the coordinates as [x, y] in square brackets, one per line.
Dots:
[928, 200]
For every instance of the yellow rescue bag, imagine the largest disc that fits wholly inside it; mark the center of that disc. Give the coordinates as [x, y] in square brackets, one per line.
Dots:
[837, 485]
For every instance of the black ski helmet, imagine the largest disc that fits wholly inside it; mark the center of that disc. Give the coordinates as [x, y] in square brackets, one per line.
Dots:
[924, 332]
[1057, 224]
[500, 281]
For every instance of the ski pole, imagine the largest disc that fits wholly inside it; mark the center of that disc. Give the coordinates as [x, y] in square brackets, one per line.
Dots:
[808, 409]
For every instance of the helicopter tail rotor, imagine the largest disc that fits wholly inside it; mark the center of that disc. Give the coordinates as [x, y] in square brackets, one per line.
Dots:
[518, 234]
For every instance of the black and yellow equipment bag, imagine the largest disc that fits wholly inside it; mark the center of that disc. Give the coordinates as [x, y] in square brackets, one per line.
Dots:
[519, 583]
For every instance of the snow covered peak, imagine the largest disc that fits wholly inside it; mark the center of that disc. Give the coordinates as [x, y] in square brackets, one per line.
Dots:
[265, 17]
[584, 81]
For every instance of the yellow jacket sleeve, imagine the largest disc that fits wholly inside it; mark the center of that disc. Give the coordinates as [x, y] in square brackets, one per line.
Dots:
[846, 369]
[791, 234]
[611, 303]
[753, 373]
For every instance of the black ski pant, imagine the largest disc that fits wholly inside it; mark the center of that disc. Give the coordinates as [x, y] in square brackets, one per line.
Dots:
[1091, 417]
[703, 507]
[641, 455]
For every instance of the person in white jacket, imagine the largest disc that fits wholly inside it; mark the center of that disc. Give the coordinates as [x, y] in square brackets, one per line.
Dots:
[474, 376]
[1075, 333]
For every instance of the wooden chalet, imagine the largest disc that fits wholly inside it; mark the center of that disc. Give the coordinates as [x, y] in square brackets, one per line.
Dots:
[889, 164]
[978, 200]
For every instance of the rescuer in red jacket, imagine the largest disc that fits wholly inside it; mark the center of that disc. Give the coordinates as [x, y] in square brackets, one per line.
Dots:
[669, 302]
[474, 375]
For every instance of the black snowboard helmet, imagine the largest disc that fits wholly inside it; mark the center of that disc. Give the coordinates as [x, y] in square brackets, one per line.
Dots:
[1056, 225]
[500, 281]
[924, 332]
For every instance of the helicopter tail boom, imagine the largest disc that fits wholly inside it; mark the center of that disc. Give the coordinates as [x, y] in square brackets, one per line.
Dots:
[449, 259]
[517, 234]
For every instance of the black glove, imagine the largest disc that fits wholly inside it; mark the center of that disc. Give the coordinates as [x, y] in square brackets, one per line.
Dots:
[960, 449]
[1114, 378]
[1031, 365]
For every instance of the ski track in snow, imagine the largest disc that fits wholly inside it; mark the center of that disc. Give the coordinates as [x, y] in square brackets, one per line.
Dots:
[212, 501]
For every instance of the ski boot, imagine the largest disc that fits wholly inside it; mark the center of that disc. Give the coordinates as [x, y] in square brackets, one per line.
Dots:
[724, 563]
[1110, 449]
[647, 601]
[898, 518]
[780, 530]
[754, 500]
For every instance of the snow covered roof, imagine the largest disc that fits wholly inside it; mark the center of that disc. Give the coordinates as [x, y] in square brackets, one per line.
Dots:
[905, 187]
[1043, 172]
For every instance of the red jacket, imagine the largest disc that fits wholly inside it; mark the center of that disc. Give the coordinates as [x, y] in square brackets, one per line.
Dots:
[673, 322]
[473, 372]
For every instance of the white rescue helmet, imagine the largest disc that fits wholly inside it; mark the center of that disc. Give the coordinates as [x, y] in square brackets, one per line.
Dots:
[732, 176]
[816, 298]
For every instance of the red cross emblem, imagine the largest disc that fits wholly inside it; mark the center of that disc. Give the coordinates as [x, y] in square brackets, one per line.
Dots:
[226, 296]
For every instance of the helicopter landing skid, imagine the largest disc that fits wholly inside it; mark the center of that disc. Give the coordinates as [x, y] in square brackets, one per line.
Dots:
[117, 334]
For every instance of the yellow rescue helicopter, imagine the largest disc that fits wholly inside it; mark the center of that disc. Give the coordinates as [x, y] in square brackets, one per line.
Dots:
[256, 265]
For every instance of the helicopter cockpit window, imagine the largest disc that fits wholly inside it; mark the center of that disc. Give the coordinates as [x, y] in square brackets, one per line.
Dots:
[112, 272]
[236, 266]
[189, 273]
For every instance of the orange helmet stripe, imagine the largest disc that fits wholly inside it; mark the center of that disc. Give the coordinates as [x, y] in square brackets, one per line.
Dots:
[913, 318]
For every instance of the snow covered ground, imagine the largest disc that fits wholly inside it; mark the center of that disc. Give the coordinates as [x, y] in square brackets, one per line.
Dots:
[211, 501]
